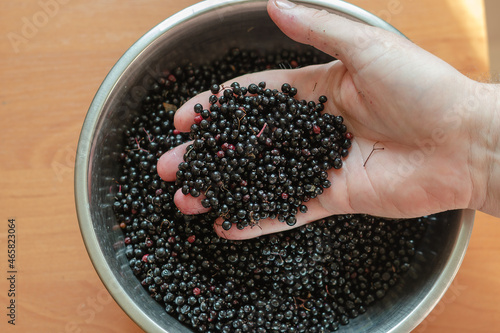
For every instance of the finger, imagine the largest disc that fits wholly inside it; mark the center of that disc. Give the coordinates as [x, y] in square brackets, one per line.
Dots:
[268, 226]
[338, 36]
[311, 82]
[168, 163]
[184, 116]
[188, 204]
[305, 79]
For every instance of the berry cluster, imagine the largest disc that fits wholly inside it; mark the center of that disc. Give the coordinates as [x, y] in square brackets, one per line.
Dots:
[310, 279]
[260, 153]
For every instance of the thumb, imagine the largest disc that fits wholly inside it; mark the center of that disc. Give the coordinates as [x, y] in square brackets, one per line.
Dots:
[335, 35]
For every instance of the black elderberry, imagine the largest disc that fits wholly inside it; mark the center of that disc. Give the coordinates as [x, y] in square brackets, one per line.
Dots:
[266, 137]
[272, 160]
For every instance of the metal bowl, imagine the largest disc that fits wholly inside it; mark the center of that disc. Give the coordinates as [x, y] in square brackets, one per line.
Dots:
[206, 30]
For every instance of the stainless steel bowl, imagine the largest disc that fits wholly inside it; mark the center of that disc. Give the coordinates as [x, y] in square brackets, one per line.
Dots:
[205, 30]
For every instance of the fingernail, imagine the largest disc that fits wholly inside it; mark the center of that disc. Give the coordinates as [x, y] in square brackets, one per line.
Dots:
[284, 4]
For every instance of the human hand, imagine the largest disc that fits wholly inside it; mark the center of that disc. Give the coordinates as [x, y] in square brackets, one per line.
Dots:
[392, 95]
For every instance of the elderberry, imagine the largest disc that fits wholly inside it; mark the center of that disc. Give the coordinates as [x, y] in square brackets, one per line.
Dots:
[283, 173]
[314, 278]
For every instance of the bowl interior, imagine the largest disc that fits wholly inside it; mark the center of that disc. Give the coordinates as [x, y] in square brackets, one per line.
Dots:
[198, 34]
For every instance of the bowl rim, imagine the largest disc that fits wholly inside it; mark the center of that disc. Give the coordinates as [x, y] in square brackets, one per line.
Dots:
[88, 131]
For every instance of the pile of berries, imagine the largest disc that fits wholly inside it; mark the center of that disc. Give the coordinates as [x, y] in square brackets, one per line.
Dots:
[260, 153]
[310, 279]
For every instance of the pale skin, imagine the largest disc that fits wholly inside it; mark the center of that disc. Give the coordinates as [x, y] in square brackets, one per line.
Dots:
[438, 128]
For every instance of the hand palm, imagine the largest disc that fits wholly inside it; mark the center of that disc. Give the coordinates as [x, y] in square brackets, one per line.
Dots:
[388, 94]
[385, 112]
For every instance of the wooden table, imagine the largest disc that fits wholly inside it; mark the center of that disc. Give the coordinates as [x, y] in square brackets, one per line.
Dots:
[53, 56]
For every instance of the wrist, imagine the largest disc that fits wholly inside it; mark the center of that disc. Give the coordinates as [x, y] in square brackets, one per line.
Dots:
[483, 123]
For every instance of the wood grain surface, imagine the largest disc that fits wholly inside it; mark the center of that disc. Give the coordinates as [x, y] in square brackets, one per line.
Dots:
[53, 56]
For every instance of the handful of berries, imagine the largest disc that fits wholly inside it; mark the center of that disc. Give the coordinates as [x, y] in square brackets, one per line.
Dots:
[261, 153]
